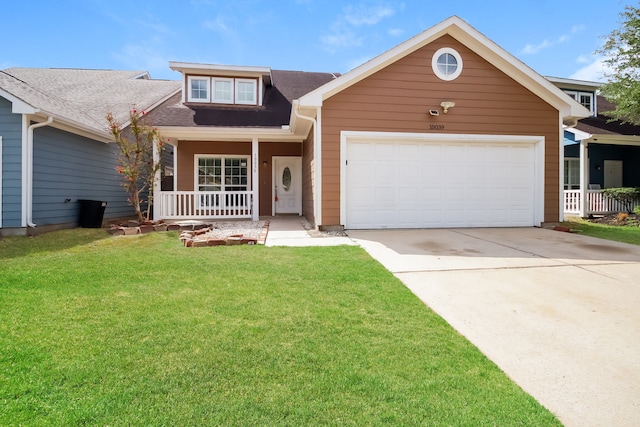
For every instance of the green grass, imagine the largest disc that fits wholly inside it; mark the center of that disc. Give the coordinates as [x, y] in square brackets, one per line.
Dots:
[618, 233]
[122, 331]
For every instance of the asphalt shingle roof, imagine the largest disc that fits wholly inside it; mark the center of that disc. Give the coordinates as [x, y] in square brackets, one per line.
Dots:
[603, 125]
[275, 111]
[84, 97]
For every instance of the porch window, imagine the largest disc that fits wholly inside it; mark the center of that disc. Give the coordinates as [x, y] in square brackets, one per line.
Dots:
[223, 173]
[571, 174]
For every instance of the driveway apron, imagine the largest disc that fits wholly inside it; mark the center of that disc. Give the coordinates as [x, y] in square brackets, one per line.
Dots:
[559, 313]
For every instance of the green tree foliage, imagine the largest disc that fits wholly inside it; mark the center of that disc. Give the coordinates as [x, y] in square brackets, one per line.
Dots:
[622, 54]
[136, 163]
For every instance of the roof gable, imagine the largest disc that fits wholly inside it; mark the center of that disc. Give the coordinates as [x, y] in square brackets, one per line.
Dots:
[474, 40]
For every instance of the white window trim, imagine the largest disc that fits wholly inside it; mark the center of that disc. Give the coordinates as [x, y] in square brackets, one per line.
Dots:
[197, 158]
[254, 83]
[434, 64]
[190, 98]
[575, 94]
[213, 91]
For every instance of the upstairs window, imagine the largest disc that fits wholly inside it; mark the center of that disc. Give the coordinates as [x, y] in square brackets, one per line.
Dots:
[198, 89]
[246, 91]
[223, 90]
[584, 98]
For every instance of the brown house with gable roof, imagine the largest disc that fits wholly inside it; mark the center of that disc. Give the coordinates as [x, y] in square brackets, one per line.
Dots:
[444, 130]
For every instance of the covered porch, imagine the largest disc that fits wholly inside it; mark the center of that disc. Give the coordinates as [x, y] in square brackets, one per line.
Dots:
[596, 162]
[230, 176]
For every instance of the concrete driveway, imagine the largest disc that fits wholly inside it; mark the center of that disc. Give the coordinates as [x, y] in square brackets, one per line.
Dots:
[558, 312]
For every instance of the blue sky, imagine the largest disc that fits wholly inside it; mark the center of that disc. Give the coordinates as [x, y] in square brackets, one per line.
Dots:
[554, 37]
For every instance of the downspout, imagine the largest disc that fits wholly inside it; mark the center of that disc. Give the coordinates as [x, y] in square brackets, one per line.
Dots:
[317, 155]
[29, 187]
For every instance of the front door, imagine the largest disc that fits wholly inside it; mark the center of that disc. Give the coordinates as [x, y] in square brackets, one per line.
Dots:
[612, 173]
[287, 185]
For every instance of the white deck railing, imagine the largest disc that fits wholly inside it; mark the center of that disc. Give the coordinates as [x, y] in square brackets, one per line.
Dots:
[204, 204]
[597, 203]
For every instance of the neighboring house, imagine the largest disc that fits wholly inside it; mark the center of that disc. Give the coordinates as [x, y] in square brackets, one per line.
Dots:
[599, 152]
[55, 142]
[444, 130]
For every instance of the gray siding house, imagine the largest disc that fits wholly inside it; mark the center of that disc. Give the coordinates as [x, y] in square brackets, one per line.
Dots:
[55, 144]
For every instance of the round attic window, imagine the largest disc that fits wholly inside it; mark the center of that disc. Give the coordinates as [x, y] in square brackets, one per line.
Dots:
[446, 63]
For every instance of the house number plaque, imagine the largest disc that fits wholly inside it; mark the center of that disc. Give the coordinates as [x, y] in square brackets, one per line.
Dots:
[436, 127]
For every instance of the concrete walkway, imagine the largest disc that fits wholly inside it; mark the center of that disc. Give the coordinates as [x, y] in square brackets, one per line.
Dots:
[289, 231]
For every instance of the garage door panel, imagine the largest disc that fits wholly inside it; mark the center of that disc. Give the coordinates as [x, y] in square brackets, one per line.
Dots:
[401, 184]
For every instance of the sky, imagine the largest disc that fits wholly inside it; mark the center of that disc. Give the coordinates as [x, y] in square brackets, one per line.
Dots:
[554, 37]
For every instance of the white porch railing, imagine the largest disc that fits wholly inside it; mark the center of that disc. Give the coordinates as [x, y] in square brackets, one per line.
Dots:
[204, 204]
[597, 203]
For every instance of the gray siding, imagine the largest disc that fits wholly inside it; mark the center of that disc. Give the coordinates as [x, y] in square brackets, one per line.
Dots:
[71, 167]
[11, 132]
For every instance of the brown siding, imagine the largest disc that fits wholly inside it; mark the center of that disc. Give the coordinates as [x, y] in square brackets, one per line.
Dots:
[187, 150]
[397, 99]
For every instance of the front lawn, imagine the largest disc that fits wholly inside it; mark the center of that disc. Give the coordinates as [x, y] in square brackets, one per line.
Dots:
[120, 331]
[618, 233]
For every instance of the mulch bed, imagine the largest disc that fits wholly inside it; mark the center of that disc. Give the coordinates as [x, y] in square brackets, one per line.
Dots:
[622, 218]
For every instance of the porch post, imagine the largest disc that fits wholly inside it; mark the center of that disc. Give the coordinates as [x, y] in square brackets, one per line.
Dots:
[255, 179]
[156, 184]
[584, 179]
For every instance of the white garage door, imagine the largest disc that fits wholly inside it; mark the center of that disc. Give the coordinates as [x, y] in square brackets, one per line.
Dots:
[430, 184]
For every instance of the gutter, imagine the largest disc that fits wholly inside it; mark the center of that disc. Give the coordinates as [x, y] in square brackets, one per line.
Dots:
[29, 171]
[317, 155]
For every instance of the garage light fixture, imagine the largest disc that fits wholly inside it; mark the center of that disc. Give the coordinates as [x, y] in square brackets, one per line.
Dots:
[446, 105]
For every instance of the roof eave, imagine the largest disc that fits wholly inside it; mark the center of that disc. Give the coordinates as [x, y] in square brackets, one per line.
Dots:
[18, 106]
[188, 133]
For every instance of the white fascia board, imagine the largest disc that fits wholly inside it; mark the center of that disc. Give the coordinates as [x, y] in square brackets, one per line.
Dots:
[228, 134]
[574, 84]
[218, 69]
[74, 128]
[476, 41]
[18, 106]
[579, 135]
[632, 140]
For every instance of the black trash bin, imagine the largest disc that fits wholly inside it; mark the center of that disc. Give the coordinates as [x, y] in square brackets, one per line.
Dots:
[91, 213]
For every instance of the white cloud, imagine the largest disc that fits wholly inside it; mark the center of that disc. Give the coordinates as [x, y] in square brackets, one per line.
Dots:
[396, 32]
[218, 24]
[532, 49]
[367, 15]
[343, 32]
[142, 56]
[593, 71]
[340, 40]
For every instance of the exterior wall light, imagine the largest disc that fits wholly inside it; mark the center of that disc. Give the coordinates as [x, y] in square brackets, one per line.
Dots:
[446, 105]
